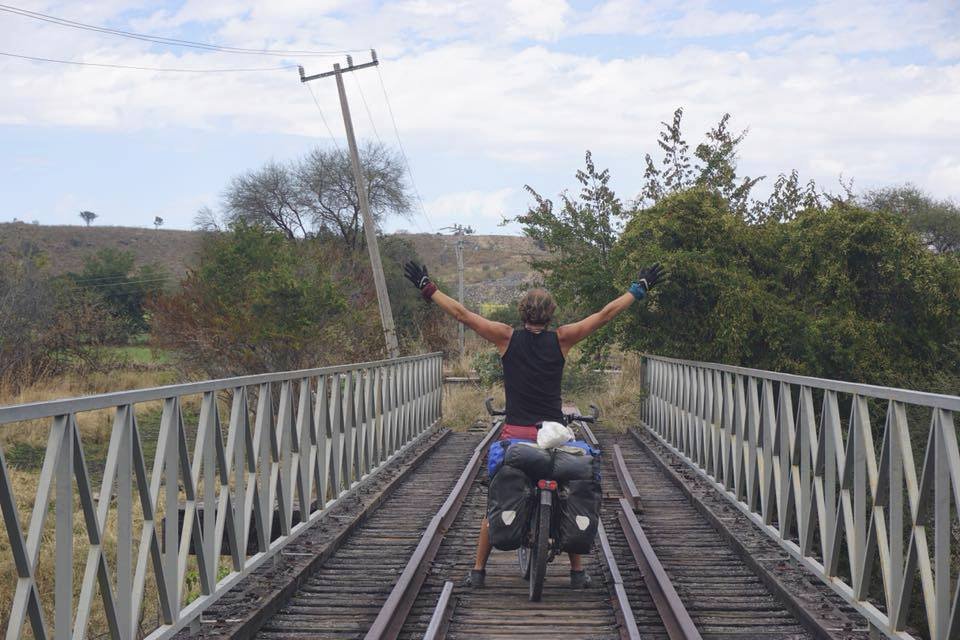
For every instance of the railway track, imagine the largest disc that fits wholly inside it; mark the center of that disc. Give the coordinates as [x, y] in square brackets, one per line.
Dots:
[660, 569]
[342, 599]
[724, 598]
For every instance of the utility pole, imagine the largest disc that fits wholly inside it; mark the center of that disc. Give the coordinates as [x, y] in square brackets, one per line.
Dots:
[460, 231]
[369, 230]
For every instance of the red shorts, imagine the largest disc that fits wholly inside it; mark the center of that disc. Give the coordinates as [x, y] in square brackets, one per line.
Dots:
[523, 432]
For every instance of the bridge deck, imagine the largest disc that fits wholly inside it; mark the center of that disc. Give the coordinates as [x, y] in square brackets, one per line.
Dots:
[724, 596]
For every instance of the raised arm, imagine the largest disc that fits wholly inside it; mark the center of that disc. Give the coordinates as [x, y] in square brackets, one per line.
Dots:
[497, 333]
[571, 334]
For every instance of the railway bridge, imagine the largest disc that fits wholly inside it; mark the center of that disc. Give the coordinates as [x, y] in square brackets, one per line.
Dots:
[335, 503]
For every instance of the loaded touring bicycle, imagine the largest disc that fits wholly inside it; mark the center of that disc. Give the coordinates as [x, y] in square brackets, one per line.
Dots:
[543, 502]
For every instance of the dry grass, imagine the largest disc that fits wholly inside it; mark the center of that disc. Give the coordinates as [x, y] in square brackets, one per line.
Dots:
[617, 394]
[24, 447]
[463, 404]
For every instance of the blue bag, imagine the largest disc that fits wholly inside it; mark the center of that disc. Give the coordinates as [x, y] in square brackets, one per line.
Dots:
[497, 452]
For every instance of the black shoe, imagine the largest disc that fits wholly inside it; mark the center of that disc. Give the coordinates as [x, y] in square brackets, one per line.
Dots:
[579, 580]
[475, 578]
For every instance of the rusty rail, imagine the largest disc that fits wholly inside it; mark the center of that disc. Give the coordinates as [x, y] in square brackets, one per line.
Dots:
[395, 610]
[672, 611]
[437, 629]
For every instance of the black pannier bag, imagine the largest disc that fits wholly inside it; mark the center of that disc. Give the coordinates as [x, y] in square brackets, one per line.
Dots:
[579, 502]
[565, 463]
[574, 465]
[537, 463]
[509, 503]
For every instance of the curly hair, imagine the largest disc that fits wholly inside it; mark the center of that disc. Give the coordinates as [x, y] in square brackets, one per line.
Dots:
[537, 307]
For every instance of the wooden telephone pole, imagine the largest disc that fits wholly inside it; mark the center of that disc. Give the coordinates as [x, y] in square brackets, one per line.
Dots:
[369, 230]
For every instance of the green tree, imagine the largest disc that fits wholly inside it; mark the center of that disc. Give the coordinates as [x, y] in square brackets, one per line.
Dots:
[580, 235]
[256, 303]
[841, 292]
[88, 216]
[937, 221]
[110, 275]
[316, 194]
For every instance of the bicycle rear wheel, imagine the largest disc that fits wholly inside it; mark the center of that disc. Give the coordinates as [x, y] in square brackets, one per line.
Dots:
[523, 558]
[539, 552]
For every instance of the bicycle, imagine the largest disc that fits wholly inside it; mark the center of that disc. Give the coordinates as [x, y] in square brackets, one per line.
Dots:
[543, 544]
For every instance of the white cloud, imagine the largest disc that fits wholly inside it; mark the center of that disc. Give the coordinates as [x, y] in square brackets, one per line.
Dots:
[483, 210]
[812, 85]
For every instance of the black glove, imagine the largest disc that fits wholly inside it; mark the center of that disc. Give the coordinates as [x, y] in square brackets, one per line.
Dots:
[647, 277]
[650, 276]
[417, 274]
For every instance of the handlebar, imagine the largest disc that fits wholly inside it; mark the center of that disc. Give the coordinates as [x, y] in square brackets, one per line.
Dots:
[592, 418]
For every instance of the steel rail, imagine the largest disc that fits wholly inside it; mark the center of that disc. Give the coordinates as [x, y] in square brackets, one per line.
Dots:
[437, 629]
[397, 607]
[672, 611]
[624, 612]
[628, 622]
[627, 485]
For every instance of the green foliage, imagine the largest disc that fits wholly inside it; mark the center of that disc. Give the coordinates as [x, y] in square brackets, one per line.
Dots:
[580, 378]
[488, 367]
[47, 325]
[258, 302]
[715, 169]
[804, 281]
[840, 293]
[109, 275]
[937, 221]
[419, 324]
[580, 236]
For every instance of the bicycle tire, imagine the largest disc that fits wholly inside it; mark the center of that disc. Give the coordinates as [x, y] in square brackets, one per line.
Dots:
[523, 558]
[538, 554]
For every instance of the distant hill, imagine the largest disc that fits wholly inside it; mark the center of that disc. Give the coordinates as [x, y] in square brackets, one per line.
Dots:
[66, 246]
[494, 266]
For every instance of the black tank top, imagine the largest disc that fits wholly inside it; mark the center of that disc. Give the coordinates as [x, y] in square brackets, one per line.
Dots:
[532, 373]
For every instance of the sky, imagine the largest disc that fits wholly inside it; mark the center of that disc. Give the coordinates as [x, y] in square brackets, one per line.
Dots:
[488, 96]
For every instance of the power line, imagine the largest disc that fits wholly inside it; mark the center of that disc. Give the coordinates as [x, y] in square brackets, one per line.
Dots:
[363, 98]
[322, 117]
[77, 285]
[376, 133]
[137, 68]
[176, 42]
[403, 152]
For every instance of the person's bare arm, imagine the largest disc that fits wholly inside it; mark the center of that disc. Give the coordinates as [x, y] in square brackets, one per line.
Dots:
[571, 334]
[497, 333]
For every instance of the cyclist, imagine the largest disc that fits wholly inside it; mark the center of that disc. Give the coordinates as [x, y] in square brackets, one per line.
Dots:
[533, 360]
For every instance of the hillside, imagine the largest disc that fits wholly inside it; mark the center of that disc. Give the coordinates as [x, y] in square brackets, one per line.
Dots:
[494, 266]
[66, 246]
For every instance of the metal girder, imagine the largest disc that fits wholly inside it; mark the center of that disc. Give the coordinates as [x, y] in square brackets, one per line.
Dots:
[293, 443]
[799, 456]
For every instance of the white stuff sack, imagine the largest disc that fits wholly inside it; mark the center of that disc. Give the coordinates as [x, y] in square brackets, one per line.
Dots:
[552, 435]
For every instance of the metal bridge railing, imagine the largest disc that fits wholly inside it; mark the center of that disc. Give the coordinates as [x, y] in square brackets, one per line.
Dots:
[269, 455]
[847, 478]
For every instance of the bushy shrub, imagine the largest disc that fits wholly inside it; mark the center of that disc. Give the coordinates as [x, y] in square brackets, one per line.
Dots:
[488, 367]
[47, 325]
